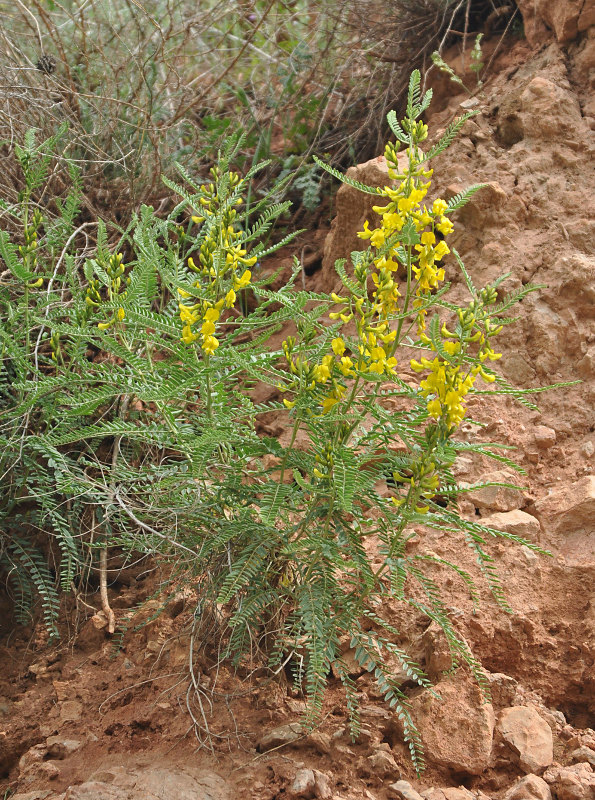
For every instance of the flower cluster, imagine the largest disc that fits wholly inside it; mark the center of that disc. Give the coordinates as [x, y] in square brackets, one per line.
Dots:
[223, 265]
[449, 381]
[409, 231]
[407, 239]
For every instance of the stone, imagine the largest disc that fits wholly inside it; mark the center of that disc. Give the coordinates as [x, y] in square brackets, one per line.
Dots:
[383, 763]
[502, 688]
[403, 790]
[516, 522]
[70, 710]
[583, 754]
[569, 511]
[450, 793]
[571, 783]
[303, 784]
[457, 793]
[37, 794]
[284, 734]
[544, 437]
[495, 498]
[60, 747]
[322, 786]
[456, 729]
[587, 449]
[353, 208]
[528, 736]
[563, 19]
[531, 787]
[118, 783]
[437, 654]
[96, 790]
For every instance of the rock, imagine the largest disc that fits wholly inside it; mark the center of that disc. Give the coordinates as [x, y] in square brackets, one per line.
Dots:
[529, 737]
[322, 786]
[516, 522]
[544, 437]
[531, 787]
[450, 793]
[284, 734]
[38, 794]
[583, 754]
[353, 208]
[587, 449]
[321, 741]
[438, 658]
[564, 18]
[383, 763]
[502, 688]
[456, 730]
[495, 498]
[59, 746]
[96, 790]
[119, 783]
[570, 511]
[303, 784]
[404, 791]
[571, 783]
[70, 710]
[483, 207]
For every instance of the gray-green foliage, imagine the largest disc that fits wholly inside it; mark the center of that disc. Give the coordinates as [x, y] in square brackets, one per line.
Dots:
[115, 433]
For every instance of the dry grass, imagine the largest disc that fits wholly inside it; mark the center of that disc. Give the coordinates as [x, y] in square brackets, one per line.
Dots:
[145, 83]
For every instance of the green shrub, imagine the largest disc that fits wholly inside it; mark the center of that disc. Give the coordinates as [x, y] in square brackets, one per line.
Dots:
[131, 418]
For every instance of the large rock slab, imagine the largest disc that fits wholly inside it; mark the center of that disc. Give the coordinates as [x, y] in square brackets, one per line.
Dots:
[529, 737]
[149, 784]
[352, 209]
[531, 787]
[572, 783]
[564, 19]
[457, 730]
[569, 512]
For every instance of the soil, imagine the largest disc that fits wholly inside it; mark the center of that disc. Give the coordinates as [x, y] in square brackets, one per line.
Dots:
[95, 707]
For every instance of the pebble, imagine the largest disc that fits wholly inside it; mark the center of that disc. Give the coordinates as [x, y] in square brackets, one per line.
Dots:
[584, 754]
[284, 734]
[544, 437]
[404, 791]
[303, 784]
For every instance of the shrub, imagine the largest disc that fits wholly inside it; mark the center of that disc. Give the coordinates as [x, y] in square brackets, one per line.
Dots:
[132, 419]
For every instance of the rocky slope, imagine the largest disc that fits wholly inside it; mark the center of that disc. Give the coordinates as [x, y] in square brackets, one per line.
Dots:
[90, 723]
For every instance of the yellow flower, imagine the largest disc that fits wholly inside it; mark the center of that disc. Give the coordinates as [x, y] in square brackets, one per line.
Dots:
[338, 346]
[211, 315]
[346, 366]
[230, 298]
[327, 404]
[321, 373]
[445, 226]
[121, 314]
[366, 233]
[439, 206]
[241, 283]
[288, 403]
[441, 249]
[207, 328]
[187, 314]
[187, 336]
[378, 237]
[210, 344]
